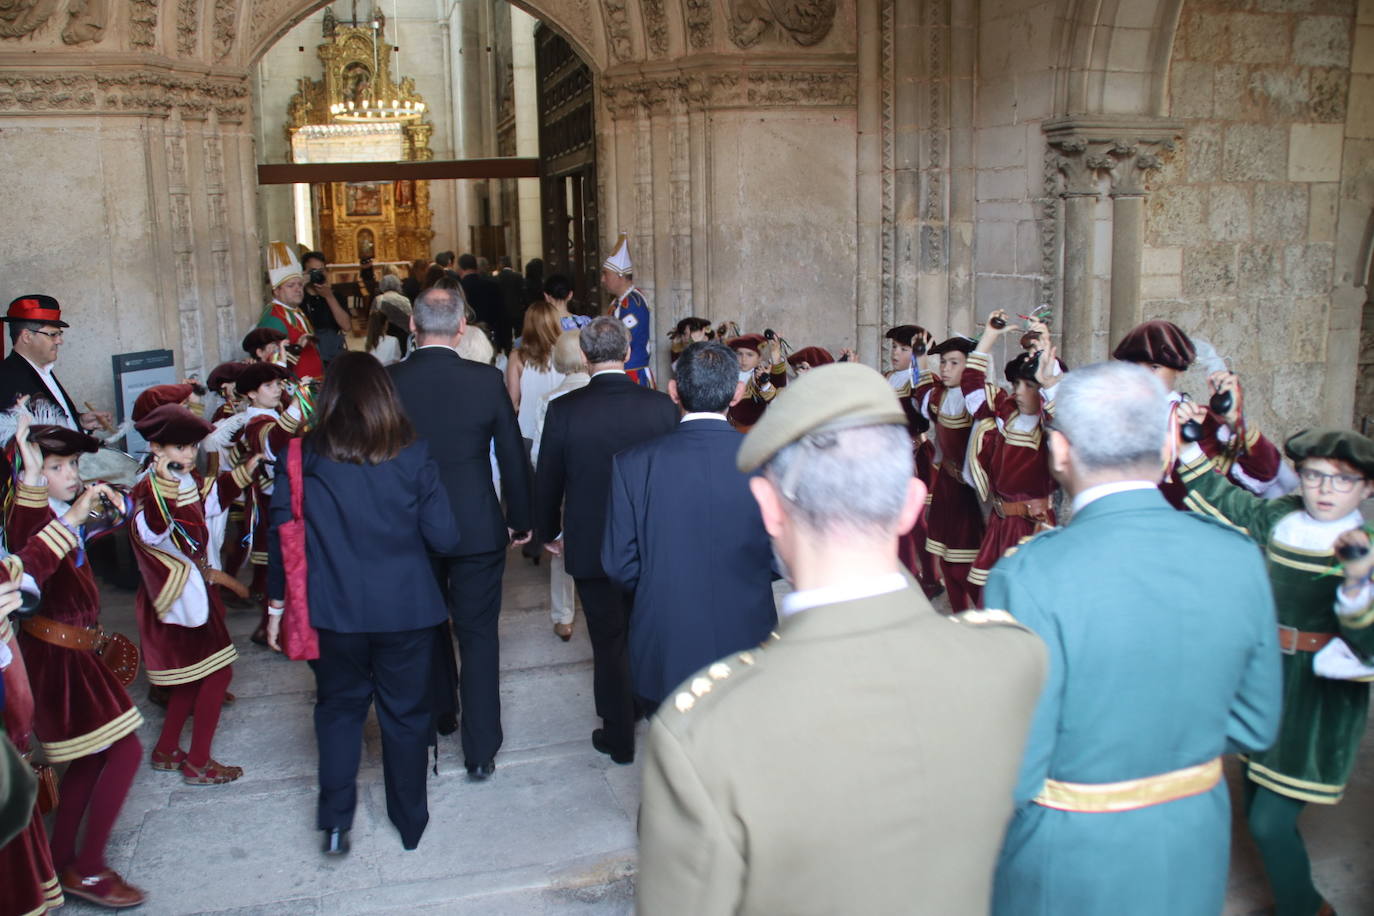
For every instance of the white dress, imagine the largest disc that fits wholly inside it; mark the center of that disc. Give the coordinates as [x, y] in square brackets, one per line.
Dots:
[534, 384]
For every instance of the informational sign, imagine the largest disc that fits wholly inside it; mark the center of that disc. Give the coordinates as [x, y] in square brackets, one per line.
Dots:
[134, 373]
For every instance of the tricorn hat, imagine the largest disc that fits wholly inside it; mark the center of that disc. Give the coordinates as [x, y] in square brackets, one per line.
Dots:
[1339, 444]
[1160, 342]
[36, 307]
[956, 344]
[60, 440]
[172, 424]
[904, 334]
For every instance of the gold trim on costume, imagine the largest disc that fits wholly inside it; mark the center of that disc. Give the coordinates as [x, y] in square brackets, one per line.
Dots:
[963, 421]
[975, 448]
[1317, 792]
[1197, 503]
[978, 576]
[1130, 794]
[89, 743]
[949, 554]
[1291, 563]
[207, 666]
[31, 497]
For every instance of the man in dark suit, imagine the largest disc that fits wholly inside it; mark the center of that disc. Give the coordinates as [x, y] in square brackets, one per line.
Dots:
[36, 330]
[680, 511]
[485, 298]
[462, 408]
[583, 431]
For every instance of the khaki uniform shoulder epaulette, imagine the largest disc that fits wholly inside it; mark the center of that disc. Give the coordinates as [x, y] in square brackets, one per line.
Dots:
[989, 618]
[717, 678]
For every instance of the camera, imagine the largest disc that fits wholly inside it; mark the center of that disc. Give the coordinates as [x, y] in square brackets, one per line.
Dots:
[769, 334]
[317, 277]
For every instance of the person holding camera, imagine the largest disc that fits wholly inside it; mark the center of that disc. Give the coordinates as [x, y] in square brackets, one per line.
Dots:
[331, 320]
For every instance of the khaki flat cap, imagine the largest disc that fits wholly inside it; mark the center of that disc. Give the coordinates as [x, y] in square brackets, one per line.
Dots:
[829, 398]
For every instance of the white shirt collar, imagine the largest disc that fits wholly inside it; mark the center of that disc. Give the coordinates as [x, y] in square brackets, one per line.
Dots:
[1300, 530]
[1093, 494]
[42, 370]
[437, 347]
[255, 411]
[701, 415]
[608, 372]
[845, 591]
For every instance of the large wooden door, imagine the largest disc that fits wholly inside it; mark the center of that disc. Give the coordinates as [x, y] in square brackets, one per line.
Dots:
[567, 163]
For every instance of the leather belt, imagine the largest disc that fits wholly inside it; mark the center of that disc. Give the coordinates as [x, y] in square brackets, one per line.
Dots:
[1030, 508]
[1107, 797]
[1292, 640]
[64, 634]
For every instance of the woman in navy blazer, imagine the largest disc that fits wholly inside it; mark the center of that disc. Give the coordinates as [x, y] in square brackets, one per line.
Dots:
[374, 510]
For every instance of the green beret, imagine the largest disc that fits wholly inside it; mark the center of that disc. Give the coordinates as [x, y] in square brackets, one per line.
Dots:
[828, 398]
[1339, 444]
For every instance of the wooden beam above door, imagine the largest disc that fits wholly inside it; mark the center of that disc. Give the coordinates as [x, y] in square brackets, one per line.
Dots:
[433, 170]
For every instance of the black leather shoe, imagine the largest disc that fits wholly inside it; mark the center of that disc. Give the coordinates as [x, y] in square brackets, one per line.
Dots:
[447, 724]
[336, 841]
[481, 771]
[601, 744]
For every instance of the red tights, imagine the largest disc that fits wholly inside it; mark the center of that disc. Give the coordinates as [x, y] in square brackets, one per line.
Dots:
[94, 787]
[206, 695]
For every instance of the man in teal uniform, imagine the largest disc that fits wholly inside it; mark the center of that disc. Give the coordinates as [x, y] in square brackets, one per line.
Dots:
[1163, 657]
[1325, 630]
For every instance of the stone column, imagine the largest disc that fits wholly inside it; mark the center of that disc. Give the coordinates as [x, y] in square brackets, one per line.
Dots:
[526, 132]
[1130, 163]
[1078, 324]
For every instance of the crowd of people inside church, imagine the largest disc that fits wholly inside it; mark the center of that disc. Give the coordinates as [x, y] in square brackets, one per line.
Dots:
[1032, 606]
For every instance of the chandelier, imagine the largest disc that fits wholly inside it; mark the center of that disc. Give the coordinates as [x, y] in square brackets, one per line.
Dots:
[374, 110]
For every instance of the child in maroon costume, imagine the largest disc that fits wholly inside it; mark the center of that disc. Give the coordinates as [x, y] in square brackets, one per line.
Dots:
[762, 380]
[1008, 455]
[186, 645]
[955, 527]
[1248, 460]
[26, 870]
[83, 716]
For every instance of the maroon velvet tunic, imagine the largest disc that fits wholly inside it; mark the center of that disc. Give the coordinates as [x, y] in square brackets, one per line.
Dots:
[955, 527]
[266, 435]
[80, 707]
[750, 408]
[173, 653]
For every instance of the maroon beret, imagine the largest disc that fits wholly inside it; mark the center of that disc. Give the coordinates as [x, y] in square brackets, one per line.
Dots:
[963, 345]
[225, 373]
[746, 342]
[255, 375]
[172, 424]
[61, 441]
[1162, 343]
[153, 398]
[258, 338]
[812, 356]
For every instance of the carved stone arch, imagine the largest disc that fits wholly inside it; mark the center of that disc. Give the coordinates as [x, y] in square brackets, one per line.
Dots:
[1114, 56]
[264, 22]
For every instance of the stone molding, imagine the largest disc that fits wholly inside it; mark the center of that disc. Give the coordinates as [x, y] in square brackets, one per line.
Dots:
[616, 16]
[188, 25]
[805, 22]
[86, 20]
[697, 14]
[226, 28]
[134, 91]
[143, 23]
[721, 89]
[1125, 151]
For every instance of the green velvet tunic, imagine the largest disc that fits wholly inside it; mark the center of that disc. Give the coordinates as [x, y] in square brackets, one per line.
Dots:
[1323, 719]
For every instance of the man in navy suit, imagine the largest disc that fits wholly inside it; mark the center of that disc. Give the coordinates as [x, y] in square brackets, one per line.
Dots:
[462, 409]
[681, 512]
[583, 431]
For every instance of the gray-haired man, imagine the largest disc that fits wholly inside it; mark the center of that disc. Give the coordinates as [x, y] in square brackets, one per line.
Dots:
[863, 761]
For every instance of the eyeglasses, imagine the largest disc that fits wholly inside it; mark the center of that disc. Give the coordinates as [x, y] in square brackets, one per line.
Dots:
[53, 335]
[1341, 483]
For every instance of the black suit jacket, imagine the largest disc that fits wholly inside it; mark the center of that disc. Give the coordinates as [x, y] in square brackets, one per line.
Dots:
[484, 296]
[461, 408]
[583, 430]
[18, 378]
[679, 512]
[369, 530]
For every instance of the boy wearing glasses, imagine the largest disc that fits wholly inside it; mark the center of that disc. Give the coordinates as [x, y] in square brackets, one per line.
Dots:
[1317, 552]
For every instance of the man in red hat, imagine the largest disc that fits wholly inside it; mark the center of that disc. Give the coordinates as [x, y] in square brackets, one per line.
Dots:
[36, 329]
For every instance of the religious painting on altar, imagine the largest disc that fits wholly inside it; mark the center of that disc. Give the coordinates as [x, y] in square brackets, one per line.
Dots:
[404, 190]
[363, 198]
[367, 245]
[357, 83]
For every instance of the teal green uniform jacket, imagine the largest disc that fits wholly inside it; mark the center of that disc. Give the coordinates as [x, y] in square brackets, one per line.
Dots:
[1163, 655]
[1323, 719]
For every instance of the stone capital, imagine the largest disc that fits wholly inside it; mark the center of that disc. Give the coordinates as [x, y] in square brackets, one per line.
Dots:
[1124, 149]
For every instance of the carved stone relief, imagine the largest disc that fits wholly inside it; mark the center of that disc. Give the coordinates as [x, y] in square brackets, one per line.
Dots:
[20, 17]
[226, 11]
[698, 14]
[127, 91]
[751, 89]
[85, 21]
[805, 22]
[143, 23]
[655, 25]
[888, 239]
[617, 20]
[187, 26]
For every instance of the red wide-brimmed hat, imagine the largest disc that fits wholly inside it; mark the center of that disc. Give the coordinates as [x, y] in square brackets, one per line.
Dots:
[172, 424]
[35, 307]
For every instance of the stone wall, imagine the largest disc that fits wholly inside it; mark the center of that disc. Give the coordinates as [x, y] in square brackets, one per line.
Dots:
[1242, 224]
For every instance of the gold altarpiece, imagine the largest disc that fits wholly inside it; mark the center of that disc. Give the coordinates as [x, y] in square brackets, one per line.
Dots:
[328, 121]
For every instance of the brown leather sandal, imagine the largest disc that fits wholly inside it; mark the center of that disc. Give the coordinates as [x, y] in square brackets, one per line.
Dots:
[213, 773]
[171, 761]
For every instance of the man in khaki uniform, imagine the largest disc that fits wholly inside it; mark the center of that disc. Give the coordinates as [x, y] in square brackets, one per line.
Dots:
[861, 761]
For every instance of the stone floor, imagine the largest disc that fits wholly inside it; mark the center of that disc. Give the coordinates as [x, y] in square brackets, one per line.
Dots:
[551, 832]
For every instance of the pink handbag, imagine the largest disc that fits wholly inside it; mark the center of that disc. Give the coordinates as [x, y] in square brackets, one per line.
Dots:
[300, 642]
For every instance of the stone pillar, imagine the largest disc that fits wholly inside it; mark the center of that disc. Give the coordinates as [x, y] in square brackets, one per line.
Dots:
[1078, 323]
[526, 133]
[1130, 163]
